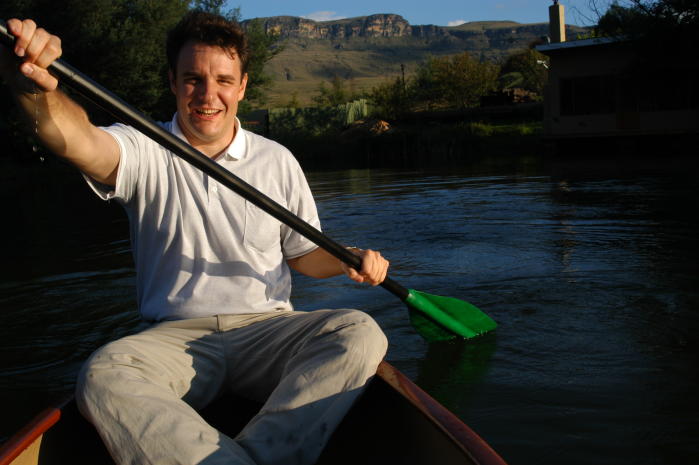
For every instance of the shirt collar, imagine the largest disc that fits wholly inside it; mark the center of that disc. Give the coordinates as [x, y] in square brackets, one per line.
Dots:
[235, 151]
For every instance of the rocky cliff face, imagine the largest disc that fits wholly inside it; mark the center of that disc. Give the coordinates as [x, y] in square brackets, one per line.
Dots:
[379, 25]
[395, 26]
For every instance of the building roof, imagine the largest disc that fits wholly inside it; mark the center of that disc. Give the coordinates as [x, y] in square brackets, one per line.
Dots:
[577, 44]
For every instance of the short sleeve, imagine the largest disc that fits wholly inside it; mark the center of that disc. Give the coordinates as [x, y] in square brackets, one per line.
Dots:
[301, 203]
[129, 142]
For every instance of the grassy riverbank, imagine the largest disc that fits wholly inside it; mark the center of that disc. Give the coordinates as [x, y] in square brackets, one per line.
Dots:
[373, 143]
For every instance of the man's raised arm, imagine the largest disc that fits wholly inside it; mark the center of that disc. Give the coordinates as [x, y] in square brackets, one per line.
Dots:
[63, 126]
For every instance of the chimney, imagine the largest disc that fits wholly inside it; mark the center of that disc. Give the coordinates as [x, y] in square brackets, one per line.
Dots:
[557, 23]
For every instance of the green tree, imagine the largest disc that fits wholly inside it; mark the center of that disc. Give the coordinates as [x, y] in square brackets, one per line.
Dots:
[527, 69]
[456, 81]
[333, 95]
[392, 99]
[653, 19]
[619, 20]
[263, 47]
[212, 6]
[665, 32]
[294, 100]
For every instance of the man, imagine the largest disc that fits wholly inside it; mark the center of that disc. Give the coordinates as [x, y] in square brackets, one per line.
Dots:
[212, 269]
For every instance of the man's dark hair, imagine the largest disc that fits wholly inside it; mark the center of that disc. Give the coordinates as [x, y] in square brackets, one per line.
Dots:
[209, 29]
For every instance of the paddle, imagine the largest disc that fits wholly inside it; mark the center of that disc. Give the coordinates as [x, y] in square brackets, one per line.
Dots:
[434, 317]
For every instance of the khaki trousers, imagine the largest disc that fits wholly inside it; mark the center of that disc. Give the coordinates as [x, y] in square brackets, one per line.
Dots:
[142, 392]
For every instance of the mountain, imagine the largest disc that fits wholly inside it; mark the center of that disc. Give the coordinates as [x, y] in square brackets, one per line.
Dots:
[368, 50]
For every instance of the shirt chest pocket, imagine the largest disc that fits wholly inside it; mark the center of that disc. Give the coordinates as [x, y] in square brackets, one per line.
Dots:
[262, 230]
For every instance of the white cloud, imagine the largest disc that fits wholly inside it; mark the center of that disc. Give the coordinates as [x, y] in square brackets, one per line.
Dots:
[323, 16]
[457, 22]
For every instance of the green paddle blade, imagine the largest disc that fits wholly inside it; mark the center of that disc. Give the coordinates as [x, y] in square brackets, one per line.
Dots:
[439, 318]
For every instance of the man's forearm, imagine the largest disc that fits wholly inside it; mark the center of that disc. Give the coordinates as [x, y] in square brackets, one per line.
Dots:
[321, 264]
[65, 129]
[52, 116]
[317, 264]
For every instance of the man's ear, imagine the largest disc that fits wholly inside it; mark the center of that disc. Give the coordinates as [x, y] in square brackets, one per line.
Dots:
[171, 78]
[243, 86]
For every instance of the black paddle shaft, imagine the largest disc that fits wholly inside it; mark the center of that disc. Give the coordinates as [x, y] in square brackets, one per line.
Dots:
[129, 115]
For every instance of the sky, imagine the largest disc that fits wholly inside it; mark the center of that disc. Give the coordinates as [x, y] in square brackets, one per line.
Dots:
[438, 12]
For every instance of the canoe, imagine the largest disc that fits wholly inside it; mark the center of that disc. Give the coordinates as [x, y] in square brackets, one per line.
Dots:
[393, 422]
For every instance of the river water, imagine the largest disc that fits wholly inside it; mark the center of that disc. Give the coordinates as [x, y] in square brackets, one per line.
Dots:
[589, 267]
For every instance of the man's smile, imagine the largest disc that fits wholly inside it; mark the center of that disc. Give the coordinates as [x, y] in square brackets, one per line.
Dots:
[207, 112]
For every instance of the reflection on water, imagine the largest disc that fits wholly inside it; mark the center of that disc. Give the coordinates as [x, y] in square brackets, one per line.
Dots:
[590, 271]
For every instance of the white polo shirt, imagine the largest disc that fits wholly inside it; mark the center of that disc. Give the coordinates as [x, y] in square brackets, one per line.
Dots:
[200, 249]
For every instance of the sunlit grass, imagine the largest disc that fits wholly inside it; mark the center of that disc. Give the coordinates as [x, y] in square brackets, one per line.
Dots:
[481, 129]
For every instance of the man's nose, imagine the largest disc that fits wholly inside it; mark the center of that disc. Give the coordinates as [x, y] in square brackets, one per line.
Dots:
[207, 90]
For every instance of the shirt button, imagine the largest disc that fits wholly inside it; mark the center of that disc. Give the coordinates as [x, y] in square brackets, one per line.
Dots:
[215, 188]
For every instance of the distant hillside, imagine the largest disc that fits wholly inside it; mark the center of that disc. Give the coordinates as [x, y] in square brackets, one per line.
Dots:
[368, 50]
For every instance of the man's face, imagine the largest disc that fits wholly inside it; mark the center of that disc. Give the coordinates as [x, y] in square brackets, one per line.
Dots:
[208, 86]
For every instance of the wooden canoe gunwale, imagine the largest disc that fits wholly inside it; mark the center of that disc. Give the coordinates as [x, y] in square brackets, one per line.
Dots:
[464, 437]
[31, 432]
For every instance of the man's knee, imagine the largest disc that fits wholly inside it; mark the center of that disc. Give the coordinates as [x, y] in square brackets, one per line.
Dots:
[102, 377]
[365, 335]
[88, 387]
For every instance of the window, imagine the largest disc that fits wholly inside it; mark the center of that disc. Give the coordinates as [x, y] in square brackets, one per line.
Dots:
[648, 92]
[588, 95]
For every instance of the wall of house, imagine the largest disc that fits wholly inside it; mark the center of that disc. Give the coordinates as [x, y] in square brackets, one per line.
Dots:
[601, 89]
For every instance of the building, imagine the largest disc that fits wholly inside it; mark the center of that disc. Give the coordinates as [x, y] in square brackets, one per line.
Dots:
[608, 88]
